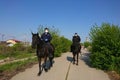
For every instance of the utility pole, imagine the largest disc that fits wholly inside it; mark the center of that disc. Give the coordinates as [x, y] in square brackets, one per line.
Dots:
[2, 37]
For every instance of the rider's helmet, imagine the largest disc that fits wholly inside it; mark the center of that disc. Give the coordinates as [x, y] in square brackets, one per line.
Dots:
[75, 34]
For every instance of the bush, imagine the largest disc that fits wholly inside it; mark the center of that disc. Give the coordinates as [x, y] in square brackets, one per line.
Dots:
[61, 45]
[105, 47]
[87, 44]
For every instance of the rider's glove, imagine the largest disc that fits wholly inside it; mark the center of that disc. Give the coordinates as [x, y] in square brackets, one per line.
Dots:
[46, 39]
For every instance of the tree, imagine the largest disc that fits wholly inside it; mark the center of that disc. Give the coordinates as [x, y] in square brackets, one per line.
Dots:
[52, 30]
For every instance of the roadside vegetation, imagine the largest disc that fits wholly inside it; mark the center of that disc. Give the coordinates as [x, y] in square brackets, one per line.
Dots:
[87, 45]
[105, 52]
[11, 69]
[17, 51]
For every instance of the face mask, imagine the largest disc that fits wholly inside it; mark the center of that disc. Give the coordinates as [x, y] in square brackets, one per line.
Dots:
[75, 35]
[46, 31]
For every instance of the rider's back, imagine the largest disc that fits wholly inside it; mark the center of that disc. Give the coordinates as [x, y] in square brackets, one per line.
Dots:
[76, 39]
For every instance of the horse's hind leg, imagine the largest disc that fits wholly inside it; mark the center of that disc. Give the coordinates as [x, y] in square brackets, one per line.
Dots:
[51, 64]
[45, 67]
[51, 60]
[51, 57]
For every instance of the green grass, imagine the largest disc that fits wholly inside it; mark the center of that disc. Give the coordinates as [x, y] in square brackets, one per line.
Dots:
[17, 55]
[16, 65]
[22, 55]
[2, 57]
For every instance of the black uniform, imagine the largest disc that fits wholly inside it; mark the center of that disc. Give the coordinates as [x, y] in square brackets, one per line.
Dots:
[76, 42]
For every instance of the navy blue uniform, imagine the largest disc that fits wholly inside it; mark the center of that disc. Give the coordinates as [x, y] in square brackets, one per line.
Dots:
[46, 37]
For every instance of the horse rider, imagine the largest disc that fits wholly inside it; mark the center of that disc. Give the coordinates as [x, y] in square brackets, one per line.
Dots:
[46, 36]
[76, 41]
[76, 38]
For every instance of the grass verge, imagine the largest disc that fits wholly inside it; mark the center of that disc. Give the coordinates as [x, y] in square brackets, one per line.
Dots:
[9, 70]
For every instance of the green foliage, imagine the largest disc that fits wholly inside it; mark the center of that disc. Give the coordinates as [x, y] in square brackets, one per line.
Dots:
[87, 44]
[16, 51]
[16, 65]
[60, 43]
[52, 30]
[105, 47]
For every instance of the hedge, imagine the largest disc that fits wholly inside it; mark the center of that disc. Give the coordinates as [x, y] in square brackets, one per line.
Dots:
[105, 52]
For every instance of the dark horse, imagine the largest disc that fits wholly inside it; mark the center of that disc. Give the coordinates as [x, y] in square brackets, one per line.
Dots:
[75, 49]
[43, 50]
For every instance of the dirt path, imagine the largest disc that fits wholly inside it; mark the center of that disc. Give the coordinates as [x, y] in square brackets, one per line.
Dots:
[63, 69]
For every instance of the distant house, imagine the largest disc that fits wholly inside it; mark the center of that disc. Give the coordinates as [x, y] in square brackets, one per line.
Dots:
[12, 42]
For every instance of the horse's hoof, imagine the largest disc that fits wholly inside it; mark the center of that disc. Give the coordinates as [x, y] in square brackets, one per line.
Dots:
[73, 62]
[46, 70]
[77, 64]
[39, 73]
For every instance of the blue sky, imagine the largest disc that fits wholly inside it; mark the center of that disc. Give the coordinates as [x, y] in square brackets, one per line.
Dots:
[18, 17]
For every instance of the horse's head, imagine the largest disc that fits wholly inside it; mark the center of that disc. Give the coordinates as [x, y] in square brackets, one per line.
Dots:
[35, 39]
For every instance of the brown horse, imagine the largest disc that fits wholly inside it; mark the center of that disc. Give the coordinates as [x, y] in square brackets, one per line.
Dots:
[43, 50]
[75, 49]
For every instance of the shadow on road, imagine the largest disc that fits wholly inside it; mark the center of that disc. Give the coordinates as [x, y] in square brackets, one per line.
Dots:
[47, 65]
[85, 58]
[70, 59]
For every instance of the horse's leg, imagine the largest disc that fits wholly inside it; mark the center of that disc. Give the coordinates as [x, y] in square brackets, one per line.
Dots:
[51, 59]
[45, 67]
[39, 60]
[77, 58]
[51, 64]
[73, 58]
[51, 56]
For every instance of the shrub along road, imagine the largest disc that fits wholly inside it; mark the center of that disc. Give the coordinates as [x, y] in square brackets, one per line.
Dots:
[63, 69]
